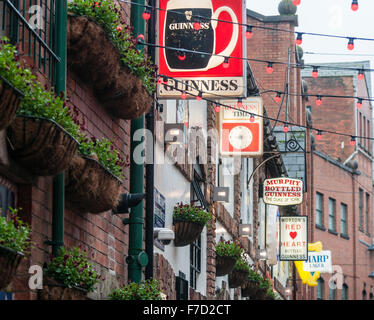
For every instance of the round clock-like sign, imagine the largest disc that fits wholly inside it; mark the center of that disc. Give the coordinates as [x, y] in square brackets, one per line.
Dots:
[240, 137]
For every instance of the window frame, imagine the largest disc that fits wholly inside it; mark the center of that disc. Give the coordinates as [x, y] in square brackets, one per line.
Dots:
[343, 222]
[333, 216]
[319, 211]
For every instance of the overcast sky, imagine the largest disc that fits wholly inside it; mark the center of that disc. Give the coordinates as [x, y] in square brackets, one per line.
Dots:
[330, 17]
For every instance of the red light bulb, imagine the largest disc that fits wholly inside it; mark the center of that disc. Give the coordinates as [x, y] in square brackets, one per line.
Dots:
[183, 95]
[354, 5]
[181, 56]
[319, 101]
[296, 2]
[319, 135]
[350, 45]
[239, 103]
[226, 63]
[278, 97]
[353, 141]
[217, 108]
[146, 15]
[140, 37]
[359, 103]
[197, 26]
[199, 97]
[285, 128]
[299, 39]
[269, 68]
[360, 75]
[315, 73]
[249, 33]
[252, 118]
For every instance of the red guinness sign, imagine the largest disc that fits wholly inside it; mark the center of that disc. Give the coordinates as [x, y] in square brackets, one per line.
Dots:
[197, 39]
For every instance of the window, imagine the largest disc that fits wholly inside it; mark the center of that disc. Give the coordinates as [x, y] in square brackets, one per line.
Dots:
[332, 293]
[343, 219]
[332, 226]
[345, 292]
[361, 209]
[320, 284]
[367, 207]
[195, 261]
[364, 295]
[319, 209]
[6, 200]
[197, 197]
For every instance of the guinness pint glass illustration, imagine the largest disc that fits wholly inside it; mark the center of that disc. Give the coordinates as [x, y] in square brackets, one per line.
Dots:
[191, 25]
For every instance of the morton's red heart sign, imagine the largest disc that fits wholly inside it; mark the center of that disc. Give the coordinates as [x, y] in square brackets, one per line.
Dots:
[293, 238]
[201, 46]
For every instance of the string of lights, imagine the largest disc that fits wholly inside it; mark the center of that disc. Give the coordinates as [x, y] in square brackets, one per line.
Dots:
[249, 27]
[270, 64]
[286, 124]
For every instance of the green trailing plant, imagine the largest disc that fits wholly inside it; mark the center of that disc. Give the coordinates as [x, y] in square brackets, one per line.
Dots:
[188, 212]
[105, 152]
[270, 293]
[39, 100]
[147, 290]
[253, 276]
[72, 269]
[107, 14]
[242, 264]
[229, 249]
[265, 283]
[14, 233]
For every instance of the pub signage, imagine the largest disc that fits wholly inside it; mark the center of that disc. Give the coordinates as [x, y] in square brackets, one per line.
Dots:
[283, 191]
[196, 44]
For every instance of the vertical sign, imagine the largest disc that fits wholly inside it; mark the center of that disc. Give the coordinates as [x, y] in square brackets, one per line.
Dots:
[293, 238]
[241, 131]
[196, 39]
[159, 215]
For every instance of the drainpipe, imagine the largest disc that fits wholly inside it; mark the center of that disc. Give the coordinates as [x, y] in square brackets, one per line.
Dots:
[58, 205]
[150, 167]
[136, 258]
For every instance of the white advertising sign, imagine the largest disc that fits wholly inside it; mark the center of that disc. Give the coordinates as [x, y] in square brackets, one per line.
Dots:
[283, 191]
[293, 238]
[318, 261]
[241, 128]
[271, 235]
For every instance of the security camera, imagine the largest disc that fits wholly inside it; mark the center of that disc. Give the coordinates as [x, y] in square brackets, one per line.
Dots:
[164, 235]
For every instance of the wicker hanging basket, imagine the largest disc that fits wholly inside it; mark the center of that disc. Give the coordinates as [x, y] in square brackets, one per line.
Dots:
[40, 145]
[261, 294]
[9, 262]
[249, 289]
[120, 91]
[52, 290]
[224, 265]
[89, 187]
[10, 99]
[186, 232]
[237, 278]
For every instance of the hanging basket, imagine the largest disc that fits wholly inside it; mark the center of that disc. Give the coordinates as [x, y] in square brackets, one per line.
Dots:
[52, 290]
[40, 145]
[237, 278]
[10, 99]
[224, 265]
[249, 289]
[89, 187]
[186, 232]
[261, 294]
[9, 262]
[120, 91]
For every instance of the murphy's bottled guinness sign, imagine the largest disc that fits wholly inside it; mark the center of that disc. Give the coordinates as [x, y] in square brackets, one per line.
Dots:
[195, 39]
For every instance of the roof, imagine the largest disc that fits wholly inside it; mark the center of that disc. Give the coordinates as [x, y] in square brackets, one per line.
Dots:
[273, 19]
[322, 72]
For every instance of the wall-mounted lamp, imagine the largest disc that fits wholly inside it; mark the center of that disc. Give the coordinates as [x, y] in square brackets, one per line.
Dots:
[221, 194]
[244, 230]
[174, 133]
[262, 254]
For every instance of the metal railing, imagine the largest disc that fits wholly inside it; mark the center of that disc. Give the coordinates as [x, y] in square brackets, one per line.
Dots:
[30, 24]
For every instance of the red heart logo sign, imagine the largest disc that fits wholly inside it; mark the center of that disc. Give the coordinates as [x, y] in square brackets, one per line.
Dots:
[293, 235]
